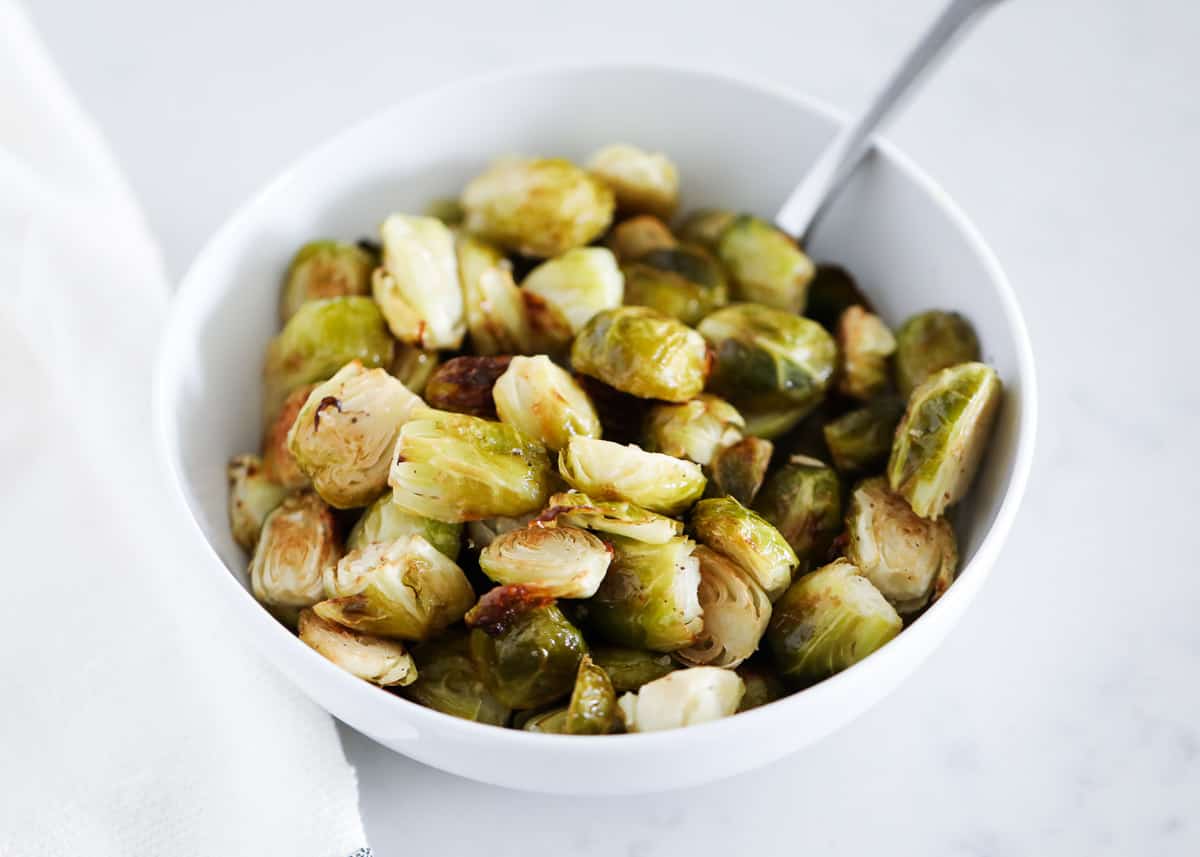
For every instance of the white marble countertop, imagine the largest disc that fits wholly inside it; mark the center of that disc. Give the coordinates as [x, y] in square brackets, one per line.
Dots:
[1063, 715]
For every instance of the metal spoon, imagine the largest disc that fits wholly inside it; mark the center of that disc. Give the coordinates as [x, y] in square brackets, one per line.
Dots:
[826, 177]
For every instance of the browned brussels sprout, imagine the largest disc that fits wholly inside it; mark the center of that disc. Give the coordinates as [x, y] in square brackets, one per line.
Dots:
[803, 500]
[464, 385]
[683, 282]
[529, 660]
[739, 470]
[326, 269]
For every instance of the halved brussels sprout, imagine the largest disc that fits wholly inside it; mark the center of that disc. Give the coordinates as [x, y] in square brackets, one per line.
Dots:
[413, 366]
[503, 318]
[829, 619]
[278, 462]
[910, 560]
[483, 532]
[446, 209]
[864, 344]
[695, 430]
[609, 471]
[542, 401]
[729, 528]
[593, 707]
[803, 500]
[768, 360]
[564, 561]
[942, 436]
[762, 686]
[325, 269]
[831, 292]
[736, 613]
[297, 545]
[929, 342]
[683, 282]
[643, 182]
[344, 434]
[579, 283]
[552, 722]
[455, 467]
[537, 206]
[773, 423]
[321, 338]
[637, 236]
[683, 698]
[614, 517]
[629, 669]
[705, 227]
[417, 286]
[861, 439]
[642, 352]
[464, 385]
[530, 659]
[447, 682]
[765, 265]
[374, 659]
[384, 521]
[649, 598]
[252, 496]
[404, 588]
[739, 470]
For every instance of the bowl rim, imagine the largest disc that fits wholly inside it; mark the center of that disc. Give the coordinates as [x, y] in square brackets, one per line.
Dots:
[285, 652]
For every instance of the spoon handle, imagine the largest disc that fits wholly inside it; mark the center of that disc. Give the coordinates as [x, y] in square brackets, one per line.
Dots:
[842, 155]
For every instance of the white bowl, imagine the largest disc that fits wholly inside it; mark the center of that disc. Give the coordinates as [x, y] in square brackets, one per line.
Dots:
[738, 145]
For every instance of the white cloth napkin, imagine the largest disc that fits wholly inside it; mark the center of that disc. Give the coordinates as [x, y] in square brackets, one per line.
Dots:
[132, 721]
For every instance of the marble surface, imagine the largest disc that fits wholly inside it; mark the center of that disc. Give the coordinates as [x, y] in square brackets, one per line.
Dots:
[1063, 715]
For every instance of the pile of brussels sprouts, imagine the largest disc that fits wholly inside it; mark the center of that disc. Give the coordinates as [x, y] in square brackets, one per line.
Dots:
[575, 454]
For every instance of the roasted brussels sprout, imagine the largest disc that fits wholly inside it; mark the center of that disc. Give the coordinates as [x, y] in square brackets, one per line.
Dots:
[374, 659]
[643, 182]
[325, 269]
[447, 682]
[552, 722]
[637, 236]
[417, 286]
[864, 345]
[768, 360]
[531, 658]
[642, 352]
[278, 462]
[483, 532]
[321, 338]
[464, 385]
[503, 318]
[446, 209]
[579, 283]
[413, 366]
[344, 434]
[695, 430]
[542, 401]
[830, 293]
[384, 521]
[739, 470]
[629, 669]
[455, 467]
[609, 471]
[614, 517]
[910, 560]
[705, 227]
[593, 706]
[762, 686]
[683, 282]
[773, 423]
[929, 342]
[683, 698]
[803, 500]
[564, 561]
[403, 588]
[729, 528]
[537, 206]
[297, 545]
[252, 496]
[649, 598]
[765, 265]
[828, 619]
[942, 436]
[861, 439]
[736, 612]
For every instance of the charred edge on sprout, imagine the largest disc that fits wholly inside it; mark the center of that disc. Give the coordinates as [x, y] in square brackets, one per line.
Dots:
[499, 606]
[327, 402]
